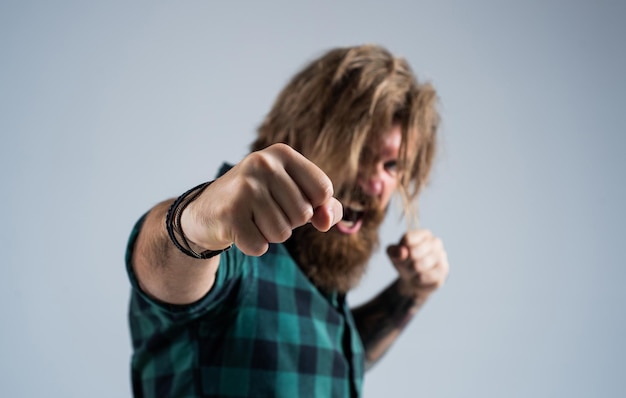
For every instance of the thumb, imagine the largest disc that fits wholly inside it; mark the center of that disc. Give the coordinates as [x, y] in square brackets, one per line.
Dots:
[327, 215]
[397, 253]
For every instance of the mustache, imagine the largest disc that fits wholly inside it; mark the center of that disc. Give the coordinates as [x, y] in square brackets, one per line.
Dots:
[356, 195]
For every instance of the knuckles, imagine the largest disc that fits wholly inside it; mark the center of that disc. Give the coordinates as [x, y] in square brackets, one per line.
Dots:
[252, 186]
[253, 249]
[326, 189]
[260, 162]
[270, 157]
[303, 216]
[281, 149]
[281, 235]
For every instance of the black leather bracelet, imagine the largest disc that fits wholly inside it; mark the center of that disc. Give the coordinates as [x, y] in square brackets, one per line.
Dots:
[173, 225]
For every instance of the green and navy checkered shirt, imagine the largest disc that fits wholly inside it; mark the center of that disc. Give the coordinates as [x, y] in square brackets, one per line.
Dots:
[264, 330]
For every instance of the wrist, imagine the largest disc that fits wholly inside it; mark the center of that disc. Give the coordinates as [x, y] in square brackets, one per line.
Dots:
[415, 295]
[195, 226]
[174, 225]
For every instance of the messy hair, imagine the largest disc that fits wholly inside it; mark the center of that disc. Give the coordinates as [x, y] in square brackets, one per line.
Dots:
[346, 99]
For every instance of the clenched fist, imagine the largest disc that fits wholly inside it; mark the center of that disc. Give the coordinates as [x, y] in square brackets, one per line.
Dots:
[421, 261]
[260, 201]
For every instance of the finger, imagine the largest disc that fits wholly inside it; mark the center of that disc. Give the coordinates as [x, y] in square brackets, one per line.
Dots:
[421, 251]
[426, 247]
[416, 237]
[270, 219]
[313, 182]
[435, 277]
[397, 253]
[327, 215]
[426, 263]
[291, 200]
[248, 238]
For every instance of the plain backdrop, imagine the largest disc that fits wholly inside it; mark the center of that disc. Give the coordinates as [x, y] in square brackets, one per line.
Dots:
[108, 107]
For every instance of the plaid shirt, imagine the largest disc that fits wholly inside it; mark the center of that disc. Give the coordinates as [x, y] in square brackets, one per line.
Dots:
[263, 330]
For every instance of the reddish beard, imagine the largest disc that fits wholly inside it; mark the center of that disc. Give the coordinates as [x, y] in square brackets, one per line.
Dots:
[332, 260]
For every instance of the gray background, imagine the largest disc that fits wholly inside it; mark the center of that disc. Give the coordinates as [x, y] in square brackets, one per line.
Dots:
[108, 107]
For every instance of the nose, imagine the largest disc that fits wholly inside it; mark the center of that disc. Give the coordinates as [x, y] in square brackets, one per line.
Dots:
[372, 183]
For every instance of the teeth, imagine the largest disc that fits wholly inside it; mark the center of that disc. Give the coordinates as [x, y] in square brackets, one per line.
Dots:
[351, 216]
[348, 223]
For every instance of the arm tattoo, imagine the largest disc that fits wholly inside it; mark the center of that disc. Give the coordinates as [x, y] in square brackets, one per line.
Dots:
[381, 317]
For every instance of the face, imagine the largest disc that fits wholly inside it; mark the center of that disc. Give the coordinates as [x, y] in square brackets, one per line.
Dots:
[337, 259]
[377, 181]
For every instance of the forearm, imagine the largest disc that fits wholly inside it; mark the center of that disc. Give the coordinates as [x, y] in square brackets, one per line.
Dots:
[381, 320]
[163, 271]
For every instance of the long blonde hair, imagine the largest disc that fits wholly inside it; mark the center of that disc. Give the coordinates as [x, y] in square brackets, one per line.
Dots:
[342, 100]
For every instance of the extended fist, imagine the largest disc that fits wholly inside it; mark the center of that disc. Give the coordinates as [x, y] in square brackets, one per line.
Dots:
[260, 201]
[421, 261]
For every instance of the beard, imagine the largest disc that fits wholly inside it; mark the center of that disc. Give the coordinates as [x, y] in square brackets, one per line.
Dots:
[332, 260]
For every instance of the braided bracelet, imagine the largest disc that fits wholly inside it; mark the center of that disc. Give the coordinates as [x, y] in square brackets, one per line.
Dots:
[173, 226]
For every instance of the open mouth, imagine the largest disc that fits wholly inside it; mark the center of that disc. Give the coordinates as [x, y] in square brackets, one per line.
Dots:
[352, 220]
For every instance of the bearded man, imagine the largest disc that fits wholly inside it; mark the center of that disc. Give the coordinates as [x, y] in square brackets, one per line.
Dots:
[239, 285]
